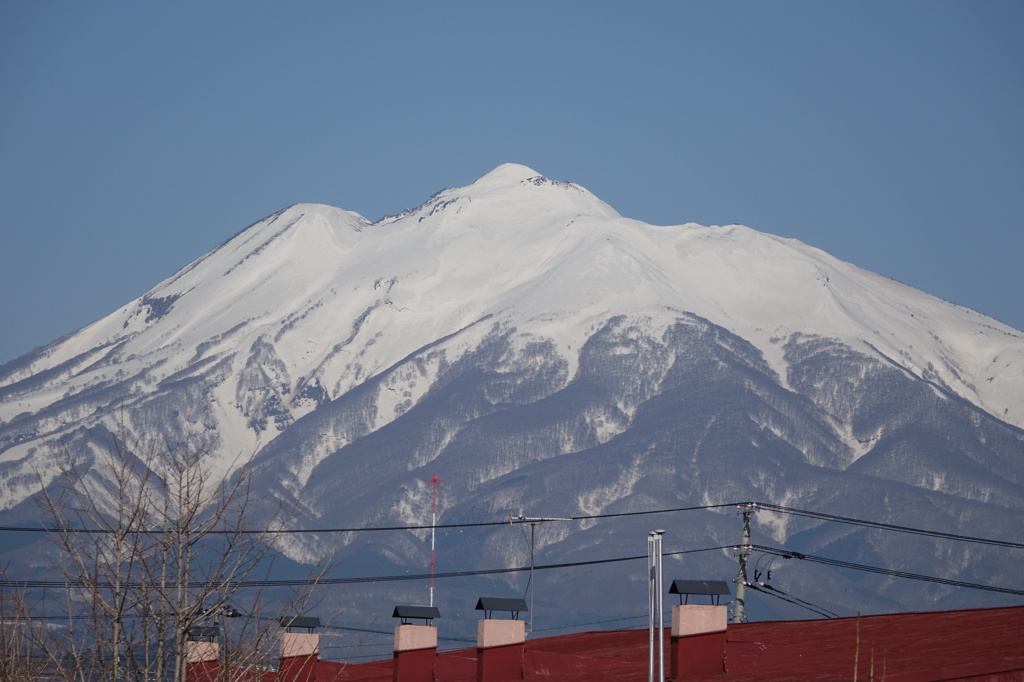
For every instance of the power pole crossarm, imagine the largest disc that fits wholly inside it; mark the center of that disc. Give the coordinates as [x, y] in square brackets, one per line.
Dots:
[533, 521]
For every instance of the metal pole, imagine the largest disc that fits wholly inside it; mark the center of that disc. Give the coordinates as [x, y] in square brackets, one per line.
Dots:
[650, 607]
[433, 528]
[742, 556]
[533, 585]
[656, 622]
[660, 608]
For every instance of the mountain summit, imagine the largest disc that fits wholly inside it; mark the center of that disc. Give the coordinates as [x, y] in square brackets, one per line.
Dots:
[540, 351]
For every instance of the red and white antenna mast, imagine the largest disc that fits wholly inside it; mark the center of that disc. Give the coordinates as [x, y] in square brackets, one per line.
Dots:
[433, 523]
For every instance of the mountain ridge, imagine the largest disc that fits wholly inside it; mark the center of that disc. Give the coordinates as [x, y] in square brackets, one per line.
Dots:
[754, 280]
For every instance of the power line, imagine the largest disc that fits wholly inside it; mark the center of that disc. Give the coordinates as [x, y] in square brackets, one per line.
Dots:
[759, 587]
[884, 571]
[765, 588]
[389, 633]
[38, 584]
[595, 622]
[768, 506]
[888, 526]
[830, 614]
[653, 511]
[483, 524]
[288, 531]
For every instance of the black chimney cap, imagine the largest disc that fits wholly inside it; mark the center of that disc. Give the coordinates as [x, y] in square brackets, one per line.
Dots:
[308, 622]
[489, 604]
[203, 632]
[427, 613]
[712, 588]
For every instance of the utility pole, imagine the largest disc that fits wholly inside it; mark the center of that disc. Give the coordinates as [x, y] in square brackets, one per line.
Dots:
[656, 622]
[533, 587]
[742, 556]
[533, 521]
[433, 528]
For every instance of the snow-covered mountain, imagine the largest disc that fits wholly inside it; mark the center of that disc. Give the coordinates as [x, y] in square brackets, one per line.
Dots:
[543, 354]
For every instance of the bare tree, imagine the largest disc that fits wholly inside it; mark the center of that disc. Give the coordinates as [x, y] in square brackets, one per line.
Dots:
[152, 543]
[19, 658]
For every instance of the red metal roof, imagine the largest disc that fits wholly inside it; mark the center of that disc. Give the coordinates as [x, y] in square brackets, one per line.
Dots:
[900, 647]
[979, 644]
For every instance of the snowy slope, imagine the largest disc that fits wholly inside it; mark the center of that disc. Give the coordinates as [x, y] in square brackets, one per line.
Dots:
[550, 255]
[327, 290]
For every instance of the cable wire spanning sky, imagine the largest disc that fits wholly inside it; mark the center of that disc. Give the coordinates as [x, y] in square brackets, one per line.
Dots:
[135, 137]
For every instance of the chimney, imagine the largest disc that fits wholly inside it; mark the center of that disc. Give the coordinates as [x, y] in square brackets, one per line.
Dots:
[300, 649]
[415, 645]
[698, 641]
[202, 654]
[500, 644]
[698, 631]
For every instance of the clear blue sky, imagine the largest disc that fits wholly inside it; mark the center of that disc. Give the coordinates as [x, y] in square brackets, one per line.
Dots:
[134, 137]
